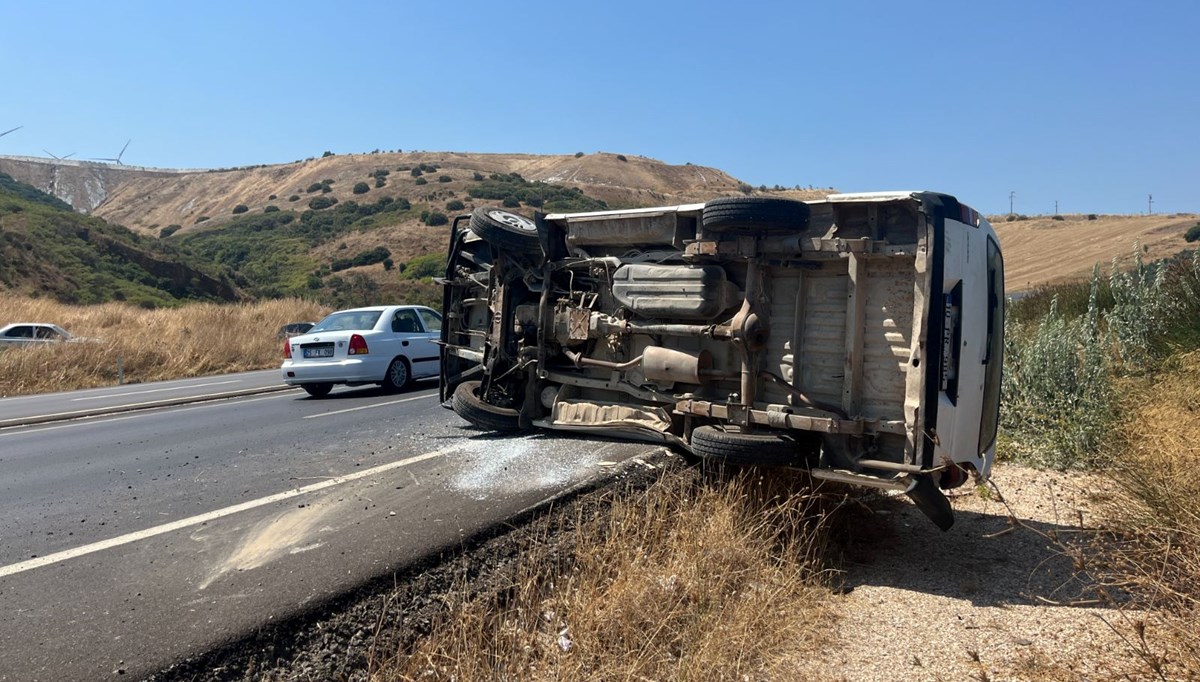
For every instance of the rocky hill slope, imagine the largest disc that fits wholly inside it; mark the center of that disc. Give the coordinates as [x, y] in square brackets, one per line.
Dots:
[147, 200]
[46, 249]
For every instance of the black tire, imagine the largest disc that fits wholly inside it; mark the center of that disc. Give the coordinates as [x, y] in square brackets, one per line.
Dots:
[398, 377]
[762, 448]
[755, 216]
[317, 390]
[506, 230]
[467, 404]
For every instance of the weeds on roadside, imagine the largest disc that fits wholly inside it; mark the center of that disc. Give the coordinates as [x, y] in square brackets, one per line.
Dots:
[684, 581]
[139, 345]
[1058, 399]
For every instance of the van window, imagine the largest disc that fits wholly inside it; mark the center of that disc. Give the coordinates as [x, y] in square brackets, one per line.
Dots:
[993, 359]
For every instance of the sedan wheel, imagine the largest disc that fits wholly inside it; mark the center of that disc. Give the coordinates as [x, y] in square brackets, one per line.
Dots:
[398, 376]
[317, 390]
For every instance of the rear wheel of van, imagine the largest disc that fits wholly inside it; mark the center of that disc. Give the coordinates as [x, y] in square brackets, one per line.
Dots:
[467, 404]
[755, 216]
[505, 230]
[730, 445]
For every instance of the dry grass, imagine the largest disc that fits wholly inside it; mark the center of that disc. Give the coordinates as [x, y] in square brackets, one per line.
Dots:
[684, 581]
[1155, 552]
[151, 345]
[1042, 251]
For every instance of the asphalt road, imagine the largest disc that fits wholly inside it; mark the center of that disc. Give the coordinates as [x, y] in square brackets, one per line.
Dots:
[128, 542]
[48, 407]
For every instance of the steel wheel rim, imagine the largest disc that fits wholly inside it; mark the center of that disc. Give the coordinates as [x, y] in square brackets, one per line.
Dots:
[513, 220]
[399, 374]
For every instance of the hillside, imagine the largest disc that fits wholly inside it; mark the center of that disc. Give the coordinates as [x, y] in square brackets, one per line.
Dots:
[343, 229]
[147, 200]
[1042, 250]
[48, 250]
[191, 207]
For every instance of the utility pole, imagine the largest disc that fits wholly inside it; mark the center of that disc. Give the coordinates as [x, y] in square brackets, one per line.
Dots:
[1149, 204]
[1011, 197]
[1056, 207]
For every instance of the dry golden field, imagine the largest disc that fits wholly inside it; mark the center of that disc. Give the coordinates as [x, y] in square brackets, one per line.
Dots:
[1042, 250]
[150, 345]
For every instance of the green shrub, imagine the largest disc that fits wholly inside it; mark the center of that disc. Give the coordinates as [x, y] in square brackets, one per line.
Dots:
[455, 205]
[315, 187]
[388, 264]
[1092, 216]
[169, 230]
[578, 154]
[1057, 399]
[513, 187]
[477, 177]
[201, 219]
[370, 257]
[380, 182]
[430, 265]
[326, 155]
[511, 202]
[319, 203]
[745, 188]
[416, 172]
[1193, 233]
[421, 181]
[1058, 217]
[445, 178]
[621, 157]
[270, 208]
[271, 198]
[1058, 402]
[240, 208]
[294, 197]
[361, 188]
[436, 218]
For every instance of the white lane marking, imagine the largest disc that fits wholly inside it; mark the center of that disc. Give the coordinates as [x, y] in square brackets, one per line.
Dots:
[367, 407]
[156, 390]
[100, 419]
[58, 557]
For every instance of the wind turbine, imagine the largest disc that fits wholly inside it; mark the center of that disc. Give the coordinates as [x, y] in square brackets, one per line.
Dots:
[57, 157]
[9, 131]
[118, 159]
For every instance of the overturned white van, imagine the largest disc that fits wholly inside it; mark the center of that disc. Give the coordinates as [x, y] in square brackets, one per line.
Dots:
[859, 337]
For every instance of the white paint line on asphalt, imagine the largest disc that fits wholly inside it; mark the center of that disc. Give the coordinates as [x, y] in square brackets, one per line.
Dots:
[367, 407]
[59, 557]
[156, 390]
[90, 421]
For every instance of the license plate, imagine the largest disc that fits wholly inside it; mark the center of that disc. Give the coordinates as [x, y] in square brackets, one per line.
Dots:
[318, 352]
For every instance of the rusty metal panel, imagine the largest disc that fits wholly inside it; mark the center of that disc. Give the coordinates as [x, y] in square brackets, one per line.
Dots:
[887, 341]
[822, 342]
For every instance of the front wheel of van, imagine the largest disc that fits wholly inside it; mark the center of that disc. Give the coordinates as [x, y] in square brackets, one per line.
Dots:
[467, 404]
[755, 216]
[506, 230]
[730, 445]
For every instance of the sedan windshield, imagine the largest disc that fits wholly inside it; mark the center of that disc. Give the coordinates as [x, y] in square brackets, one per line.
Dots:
[350, 320]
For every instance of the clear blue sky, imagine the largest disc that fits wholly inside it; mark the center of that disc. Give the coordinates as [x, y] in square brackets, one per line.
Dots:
[1095, 104]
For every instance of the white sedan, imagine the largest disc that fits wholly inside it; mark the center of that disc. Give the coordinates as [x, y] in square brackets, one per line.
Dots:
[30, 333]
[386, 345]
